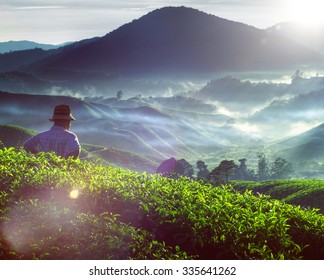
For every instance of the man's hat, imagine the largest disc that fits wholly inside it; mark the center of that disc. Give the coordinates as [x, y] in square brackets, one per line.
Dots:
[62, 112]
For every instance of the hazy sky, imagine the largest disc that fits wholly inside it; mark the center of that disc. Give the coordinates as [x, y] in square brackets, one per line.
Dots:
[60, 21]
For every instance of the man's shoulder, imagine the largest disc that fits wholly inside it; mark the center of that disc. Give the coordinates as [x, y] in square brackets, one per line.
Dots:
[72, 134]
[40, 134]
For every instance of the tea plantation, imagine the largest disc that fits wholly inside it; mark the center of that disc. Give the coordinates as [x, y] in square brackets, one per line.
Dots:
[306, 193]
[52, 208]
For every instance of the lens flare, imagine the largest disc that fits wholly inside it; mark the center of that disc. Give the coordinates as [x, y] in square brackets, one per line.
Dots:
[74, 194]
[309, 12]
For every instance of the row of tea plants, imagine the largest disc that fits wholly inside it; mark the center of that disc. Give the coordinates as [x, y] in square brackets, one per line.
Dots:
[52, 208]
[304, 192]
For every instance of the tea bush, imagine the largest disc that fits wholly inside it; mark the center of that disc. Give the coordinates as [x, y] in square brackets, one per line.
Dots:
[306, 193]
[52, 208]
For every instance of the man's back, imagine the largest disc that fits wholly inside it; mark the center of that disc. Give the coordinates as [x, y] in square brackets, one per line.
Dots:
[58, 139]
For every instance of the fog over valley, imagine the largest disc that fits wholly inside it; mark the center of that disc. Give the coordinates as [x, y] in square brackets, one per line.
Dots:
[222, 116]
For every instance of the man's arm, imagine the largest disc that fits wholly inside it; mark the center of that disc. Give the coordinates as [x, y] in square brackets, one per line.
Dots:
[74, 148]
[75, 154]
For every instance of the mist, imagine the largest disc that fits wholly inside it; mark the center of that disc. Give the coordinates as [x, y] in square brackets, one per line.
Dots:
[219, 118]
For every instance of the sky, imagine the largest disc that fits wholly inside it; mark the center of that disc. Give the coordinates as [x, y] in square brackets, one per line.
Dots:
[60, 21]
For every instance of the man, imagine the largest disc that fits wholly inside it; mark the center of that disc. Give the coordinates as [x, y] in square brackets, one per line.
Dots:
[58, 139]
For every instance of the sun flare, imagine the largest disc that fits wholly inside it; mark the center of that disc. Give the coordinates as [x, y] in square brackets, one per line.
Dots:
[74, 194]
[305, 11]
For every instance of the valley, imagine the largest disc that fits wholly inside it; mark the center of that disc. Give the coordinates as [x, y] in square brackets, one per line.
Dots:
[204, 124]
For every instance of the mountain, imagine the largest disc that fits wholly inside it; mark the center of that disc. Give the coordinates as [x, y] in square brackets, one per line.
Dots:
[180, 40]
[231, 92]
[306, 147]
[27, 54]
[310, 36]
[19, 59]
[12, 46]
[17, 81]
[307, 107]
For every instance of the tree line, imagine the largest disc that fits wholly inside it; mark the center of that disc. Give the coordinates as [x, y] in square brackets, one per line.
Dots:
[228, 170]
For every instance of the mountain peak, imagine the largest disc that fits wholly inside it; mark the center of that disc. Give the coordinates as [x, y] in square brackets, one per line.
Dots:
[173, 40]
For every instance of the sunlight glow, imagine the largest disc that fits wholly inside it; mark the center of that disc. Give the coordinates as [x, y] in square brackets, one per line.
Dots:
[309, 12]
[301, 127]
[247, 128]
[74, 194]
[38, 7]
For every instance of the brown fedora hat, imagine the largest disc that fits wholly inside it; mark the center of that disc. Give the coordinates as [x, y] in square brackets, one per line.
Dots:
[62, 112]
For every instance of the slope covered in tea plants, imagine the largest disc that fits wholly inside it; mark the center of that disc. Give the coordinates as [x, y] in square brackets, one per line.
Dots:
[52, 208]
[305, 193]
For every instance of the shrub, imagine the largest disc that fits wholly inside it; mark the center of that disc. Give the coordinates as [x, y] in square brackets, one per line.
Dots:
[52, 208]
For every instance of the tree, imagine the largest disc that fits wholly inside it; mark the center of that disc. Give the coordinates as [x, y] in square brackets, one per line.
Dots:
[297, 76]
[184, 168]
[263, 168]
[202, 170]
[241, 171]
[281, 168]
[221, 172]
[175, 168]
[119, 94]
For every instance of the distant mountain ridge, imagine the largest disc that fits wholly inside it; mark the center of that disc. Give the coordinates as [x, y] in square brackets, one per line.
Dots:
[12, 46]
[178, 40]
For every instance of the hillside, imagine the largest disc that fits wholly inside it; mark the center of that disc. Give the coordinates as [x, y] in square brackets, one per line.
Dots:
[231, 92]
[118, 158]
[67, 209]
[307, 146]
[17, 81]
[19, 59]
[180, 40]
[14, 136]
[299, 192]
[301, 111]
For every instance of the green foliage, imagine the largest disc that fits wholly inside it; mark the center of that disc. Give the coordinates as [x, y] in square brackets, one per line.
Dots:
[203, 172]
[222, 173]
[119, 214]
[305, 193]
[175, 168]
[281, 168]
